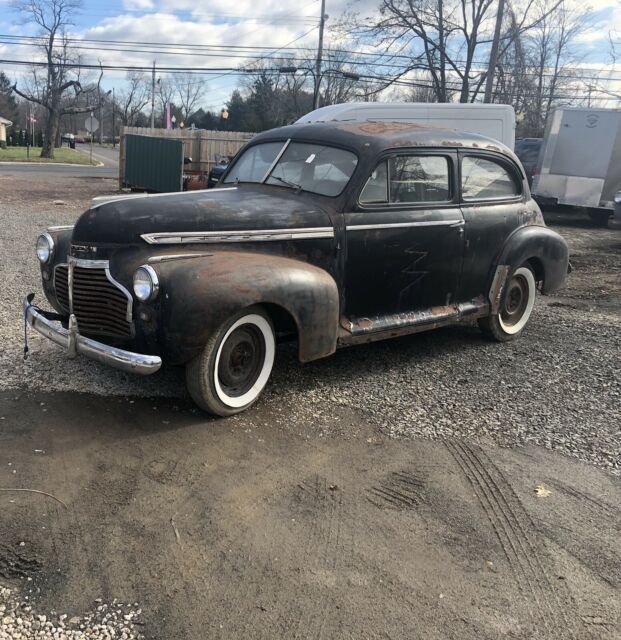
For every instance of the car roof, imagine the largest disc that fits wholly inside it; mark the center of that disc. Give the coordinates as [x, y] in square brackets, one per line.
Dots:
[360, 135]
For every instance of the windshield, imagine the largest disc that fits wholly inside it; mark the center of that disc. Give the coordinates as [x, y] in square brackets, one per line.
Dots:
[296, 165]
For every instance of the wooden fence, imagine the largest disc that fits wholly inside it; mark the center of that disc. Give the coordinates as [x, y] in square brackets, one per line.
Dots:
[201, 145]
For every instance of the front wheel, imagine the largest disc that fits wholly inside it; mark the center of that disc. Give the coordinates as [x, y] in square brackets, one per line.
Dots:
[515, 308]
[235, 364]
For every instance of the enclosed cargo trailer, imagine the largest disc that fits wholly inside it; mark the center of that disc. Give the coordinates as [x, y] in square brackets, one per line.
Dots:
[580, 160]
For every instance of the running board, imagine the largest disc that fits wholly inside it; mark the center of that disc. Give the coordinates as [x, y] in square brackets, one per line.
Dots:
[357, 330]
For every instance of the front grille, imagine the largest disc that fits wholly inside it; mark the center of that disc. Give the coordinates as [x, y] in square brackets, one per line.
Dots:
[61, 286]
[100, 306]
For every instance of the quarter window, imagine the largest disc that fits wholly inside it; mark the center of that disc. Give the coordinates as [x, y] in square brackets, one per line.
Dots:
[485, 179]
[409, 179]
[376, 188]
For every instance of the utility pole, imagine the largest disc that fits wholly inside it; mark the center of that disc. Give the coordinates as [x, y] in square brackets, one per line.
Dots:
[322, 23]
[153, 97]
[493, 55]
[113, 123]
[101, 125]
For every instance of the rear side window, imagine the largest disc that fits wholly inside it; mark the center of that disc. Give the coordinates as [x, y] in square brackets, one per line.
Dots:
[409, 179]
[486, 179]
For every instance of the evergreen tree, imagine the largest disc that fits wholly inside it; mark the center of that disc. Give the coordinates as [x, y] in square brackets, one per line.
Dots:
[8, 104]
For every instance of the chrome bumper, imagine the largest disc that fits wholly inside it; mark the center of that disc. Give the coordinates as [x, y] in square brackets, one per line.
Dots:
[74, 343]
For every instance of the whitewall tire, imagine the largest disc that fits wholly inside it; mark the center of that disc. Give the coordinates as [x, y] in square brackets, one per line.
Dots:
[516, 306]
[235, 365]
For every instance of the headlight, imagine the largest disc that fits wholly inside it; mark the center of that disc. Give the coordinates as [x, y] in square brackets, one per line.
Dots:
[45, 248]
[146, 284]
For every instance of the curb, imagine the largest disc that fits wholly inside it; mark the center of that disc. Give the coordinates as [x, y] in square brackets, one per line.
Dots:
[52, 164]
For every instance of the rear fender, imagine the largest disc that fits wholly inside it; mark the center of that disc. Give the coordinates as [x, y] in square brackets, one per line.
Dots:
[199, 294]
[532, 242]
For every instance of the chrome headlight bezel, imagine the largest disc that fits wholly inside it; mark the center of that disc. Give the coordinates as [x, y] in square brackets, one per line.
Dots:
[45, 252]
[146, 284]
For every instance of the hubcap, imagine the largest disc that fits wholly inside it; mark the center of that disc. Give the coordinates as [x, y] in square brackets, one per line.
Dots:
[241, 360]
[516, 301]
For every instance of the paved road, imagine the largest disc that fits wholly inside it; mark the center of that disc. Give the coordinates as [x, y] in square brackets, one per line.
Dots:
[109, 157]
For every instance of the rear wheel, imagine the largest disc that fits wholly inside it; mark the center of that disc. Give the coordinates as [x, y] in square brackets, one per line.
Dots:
[515, 308]
[235, 364]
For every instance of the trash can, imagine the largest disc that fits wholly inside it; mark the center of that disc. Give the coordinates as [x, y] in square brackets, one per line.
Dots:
[72, 143]
[615, 221]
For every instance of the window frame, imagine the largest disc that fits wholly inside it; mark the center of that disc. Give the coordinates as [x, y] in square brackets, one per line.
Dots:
[451, 157]
[506, 163]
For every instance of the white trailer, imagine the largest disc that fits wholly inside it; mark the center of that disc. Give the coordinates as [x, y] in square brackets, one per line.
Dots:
[580, 160]
[492, 120]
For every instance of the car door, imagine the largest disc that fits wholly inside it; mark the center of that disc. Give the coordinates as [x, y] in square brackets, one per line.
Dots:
[404, 239]
[493, 199]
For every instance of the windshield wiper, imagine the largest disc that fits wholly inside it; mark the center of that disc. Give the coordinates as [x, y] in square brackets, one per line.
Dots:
[297, 187]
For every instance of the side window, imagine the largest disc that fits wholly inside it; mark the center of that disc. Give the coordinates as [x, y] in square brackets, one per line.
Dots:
[408, 179]
[419, 179]
[376, 188]
[482, 178]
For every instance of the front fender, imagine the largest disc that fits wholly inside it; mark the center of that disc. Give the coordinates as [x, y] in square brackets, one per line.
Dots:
[199, 294]
[540, 243]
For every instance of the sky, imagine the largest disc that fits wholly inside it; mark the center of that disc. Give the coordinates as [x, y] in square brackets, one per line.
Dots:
[264, 23]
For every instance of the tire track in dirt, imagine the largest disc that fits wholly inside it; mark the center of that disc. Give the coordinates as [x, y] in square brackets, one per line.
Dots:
[324, 547]
[515, 532]
[400, 490]
[599, 507]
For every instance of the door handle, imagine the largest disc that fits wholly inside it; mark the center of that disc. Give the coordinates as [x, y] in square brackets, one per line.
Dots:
[459, 223]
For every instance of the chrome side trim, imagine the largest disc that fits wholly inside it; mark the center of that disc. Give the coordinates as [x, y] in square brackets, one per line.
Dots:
[101, 200]
[71, 340]
[402, 225]
[98, 264]
[176, 256]
[62, 227]
[264, 235]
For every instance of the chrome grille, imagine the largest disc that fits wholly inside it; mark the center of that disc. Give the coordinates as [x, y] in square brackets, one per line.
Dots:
[61, 286]
[101, 306]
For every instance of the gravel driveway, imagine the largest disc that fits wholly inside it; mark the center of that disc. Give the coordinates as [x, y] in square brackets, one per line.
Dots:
[558, 386]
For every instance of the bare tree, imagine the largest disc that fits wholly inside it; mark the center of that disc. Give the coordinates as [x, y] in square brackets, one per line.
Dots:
[189, 89]
[134, 98]
[549, 62]
[442, 38]
[56, 86]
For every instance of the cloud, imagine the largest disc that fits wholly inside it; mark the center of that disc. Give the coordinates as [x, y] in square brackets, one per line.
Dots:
[138, 5]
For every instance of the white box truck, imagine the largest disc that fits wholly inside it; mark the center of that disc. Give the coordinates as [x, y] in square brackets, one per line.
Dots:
[580, 160]
[492, 120]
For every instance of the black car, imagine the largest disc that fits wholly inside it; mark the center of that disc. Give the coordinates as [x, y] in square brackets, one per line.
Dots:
[527, 150]
[216, 172]
[333, 233]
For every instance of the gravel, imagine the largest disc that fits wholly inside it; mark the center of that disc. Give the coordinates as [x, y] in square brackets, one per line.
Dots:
[558, 386]
[19, 620]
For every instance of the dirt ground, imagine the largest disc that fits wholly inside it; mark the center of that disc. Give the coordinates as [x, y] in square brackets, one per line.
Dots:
[272, 525]
[256, 533]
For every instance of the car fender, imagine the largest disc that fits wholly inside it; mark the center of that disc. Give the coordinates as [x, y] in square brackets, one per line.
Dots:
[533, 242]
[200, 293]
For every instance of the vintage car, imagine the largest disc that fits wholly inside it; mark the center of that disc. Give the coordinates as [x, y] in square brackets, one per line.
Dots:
[334, 234]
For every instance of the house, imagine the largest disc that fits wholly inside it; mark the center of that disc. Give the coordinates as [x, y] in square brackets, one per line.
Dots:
[4, 123]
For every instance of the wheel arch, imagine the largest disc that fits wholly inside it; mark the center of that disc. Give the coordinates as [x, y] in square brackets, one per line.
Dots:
[543, 249]
[202, 293]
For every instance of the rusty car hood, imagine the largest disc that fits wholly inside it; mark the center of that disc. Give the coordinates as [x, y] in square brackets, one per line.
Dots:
[123, 221]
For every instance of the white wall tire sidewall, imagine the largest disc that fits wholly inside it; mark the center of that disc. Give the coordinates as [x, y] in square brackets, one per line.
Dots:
[532, 291]
[270, 348]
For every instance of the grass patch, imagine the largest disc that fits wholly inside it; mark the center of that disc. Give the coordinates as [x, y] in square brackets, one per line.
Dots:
[65, 155]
